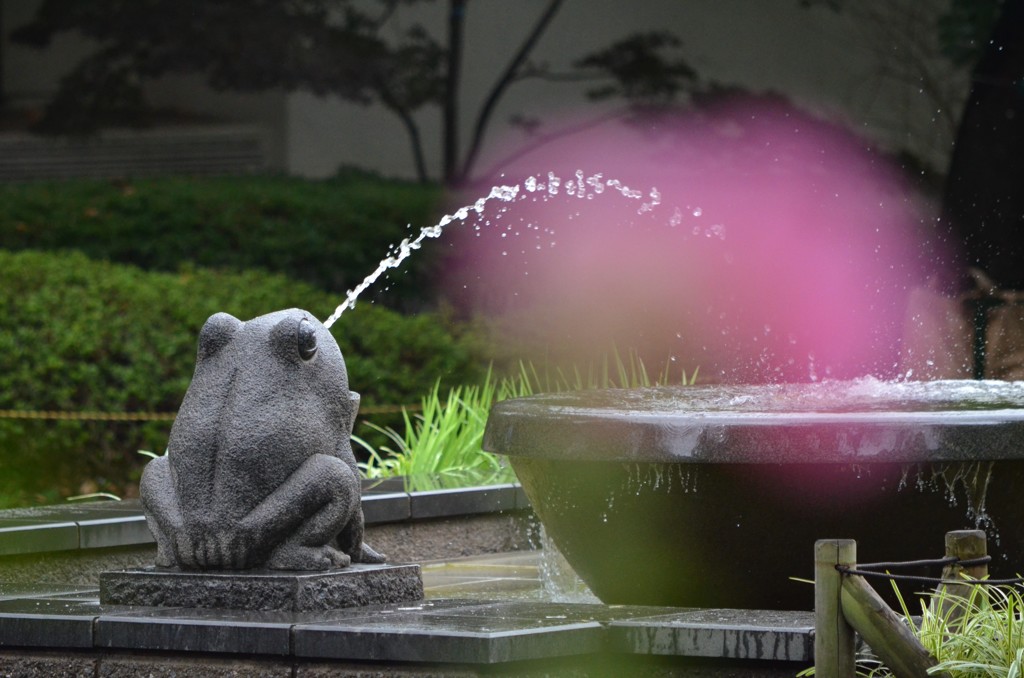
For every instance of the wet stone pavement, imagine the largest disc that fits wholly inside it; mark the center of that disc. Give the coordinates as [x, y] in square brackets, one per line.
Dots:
[484, 611]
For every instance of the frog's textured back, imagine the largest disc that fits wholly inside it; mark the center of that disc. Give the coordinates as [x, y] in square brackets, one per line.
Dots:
[266, 394]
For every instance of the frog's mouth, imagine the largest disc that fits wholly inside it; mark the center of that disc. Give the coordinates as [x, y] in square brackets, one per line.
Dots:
[354, 398]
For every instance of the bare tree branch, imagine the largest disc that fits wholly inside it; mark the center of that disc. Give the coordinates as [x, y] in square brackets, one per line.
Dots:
[502, 84]
[538, 140]
[456, 22]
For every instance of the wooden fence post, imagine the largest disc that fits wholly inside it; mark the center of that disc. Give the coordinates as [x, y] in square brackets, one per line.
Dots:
[964, 545]
[884, 631]
[834, 644]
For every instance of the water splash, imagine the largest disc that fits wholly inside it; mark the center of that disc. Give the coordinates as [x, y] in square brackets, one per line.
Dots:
[971, 479]
[407, 247]
[579, 186]
[559, 581]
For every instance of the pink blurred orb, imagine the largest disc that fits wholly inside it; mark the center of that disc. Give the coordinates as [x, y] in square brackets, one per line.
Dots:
[750, 240]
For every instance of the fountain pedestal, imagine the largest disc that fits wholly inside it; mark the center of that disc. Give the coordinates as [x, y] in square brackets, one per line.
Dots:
[351, 586]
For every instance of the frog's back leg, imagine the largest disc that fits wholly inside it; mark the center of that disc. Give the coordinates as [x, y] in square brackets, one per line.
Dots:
[350, 541]
[300, 519]
[162, 508]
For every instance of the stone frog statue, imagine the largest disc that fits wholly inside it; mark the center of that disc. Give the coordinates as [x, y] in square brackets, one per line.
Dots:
[259, 471]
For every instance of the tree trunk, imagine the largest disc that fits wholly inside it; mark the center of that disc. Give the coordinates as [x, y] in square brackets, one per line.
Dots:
[417, 144]
[3, 41]
[456, 21]
[983, 204]
[506, 79]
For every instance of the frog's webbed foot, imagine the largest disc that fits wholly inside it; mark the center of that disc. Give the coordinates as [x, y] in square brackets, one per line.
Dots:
[163, 559]
[368, 555]
[291, 556]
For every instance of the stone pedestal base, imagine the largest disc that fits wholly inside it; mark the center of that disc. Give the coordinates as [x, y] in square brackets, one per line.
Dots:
[352, 586]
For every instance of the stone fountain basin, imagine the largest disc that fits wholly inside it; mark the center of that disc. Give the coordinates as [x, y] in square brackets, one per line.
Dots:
[713, 496]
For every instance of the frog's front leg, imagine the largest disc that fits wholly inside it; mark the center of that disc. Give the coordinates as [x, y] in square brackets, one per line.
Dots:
[300, 519]
[162, 508]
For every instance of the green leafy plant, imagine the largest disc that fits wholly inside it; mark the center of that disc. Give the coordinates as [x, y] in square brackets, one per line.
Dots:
[328, 233]
[612, 371]
[440, 446]
[979, 635]
[78, 335]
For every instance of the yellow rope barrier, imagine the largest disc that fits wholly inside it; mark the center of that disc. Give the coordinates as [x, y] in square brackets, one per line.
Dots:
[88, 416]
[389, 409]
[155, 416]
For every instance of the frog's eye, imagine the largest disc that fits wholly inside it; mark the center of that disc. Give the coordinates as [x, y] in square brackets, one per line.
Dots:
[306, 336]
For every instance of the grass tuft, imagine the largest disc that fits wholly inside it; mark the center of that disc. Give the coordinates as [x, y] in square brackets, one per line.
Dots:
[440, 446]
[980, 635]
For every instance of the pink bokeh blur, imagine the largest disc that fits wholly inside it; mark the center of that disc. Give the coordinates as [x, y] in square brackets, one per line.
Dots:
[773, 246]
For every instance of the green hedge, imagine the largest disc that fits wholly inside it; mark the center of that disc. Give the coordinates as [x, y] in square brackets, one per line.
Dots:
[330, 233]
[77, 335]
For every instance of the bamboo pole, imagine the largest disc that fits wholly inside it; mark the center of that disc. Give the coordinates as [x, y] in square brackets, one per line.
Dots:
[964, 545]
[834, 643]
[885, 631]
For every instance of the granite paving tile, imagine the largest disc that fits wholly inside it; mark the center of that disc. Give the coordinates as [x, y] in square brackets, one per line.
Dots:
[116, 530]
[50, 623]
[442, 503]
[186, 632]
[543, 611]
[26, 535]
[16, 590]
[385, 507]
[444, 637]
[727, 634]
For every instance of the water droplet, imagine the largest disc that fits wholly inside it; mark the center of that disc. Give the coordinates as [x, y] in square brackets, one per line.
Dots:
[553, 183]
[504, 193]
[677, 217]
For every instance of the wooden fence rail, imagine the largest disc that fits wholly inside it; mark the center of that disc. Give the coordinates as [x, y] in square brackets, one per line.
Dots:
[846, 604]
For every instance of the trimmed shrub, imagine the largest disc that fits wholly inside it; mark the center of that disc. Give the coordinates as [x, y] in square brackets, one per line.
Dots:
[80, 335]
[329, 233]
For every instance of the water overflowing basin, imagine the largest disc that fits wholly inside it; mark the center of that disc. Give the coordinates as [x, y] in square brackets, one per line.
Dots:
[713, 496]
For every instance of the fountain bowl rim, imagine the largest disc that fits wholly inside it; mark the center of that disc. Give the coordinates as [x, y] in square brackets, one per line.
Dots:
[881, 422]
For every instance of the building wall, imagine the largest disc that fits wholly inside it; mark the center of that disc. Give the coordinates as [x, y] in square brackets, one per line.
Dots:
[856, 67]
[852, 67]
[31, 75]
[269, 109]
